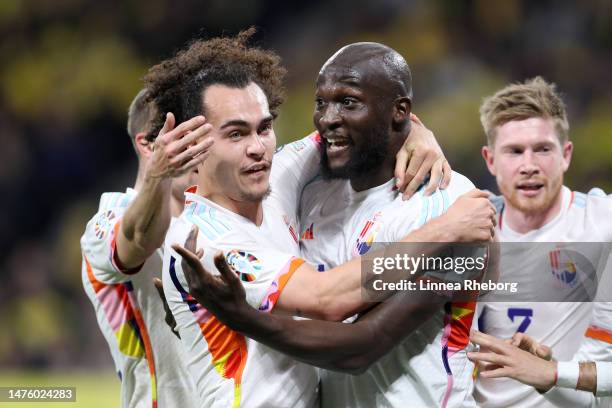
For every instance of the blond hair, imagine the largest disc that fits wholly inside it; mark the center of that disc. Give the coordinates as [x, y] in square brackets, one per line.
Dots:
[534, 98]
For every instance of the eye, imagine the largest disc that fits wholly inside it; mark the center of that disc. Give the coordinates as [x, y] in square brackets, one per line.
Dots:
[235, 135]
[348, 101]
[319, 103]
[265, 128]
[544, 149]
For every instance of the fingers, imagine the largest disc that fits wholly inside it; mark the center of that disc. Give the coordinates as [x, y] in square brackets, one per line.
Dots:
[184, 141]
[447, 172]
[160, 288]
[544, 352]
[196, 153]
[169, 318]
[414, 165]
[419, 179]
[227, 274]
[188, 125]
[491, 358]
[192, 239]
[492, 343]
[495, 373]
[401, 160]
[168, 124]
[437, 173]
[476, 193]
[193, 270]
[415, 119]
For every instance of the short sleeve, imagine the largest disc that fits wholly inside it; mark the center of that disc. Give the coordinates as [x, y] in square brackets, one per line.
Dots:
[98, 243]
[293, 167]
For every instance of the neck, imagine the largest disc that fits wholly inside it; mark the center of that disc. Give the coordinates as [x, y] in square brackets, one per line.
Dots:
[523, 222]
[384, 172]
[140, 175]
[251, 210]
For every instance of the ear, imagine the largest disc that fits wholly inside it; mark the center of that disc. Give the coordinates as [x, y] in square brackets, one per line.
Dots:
[487, 155]
[568, 149]
[144, 148]
[401, 110]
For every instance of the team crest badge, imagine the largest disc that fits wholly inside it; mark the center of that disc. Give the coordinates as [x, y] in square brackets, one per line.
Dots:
[104, 223]
[246, 265]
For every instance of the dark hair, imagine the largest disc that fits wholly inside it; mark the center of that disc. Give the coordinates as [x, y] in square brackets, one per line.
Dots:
[176, 84]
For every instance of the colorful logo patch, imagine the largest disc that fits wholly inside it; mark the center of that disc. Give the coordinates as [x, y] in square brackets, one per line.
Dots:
[308, 233]
[246, 265]
[368, 235]
[104, 223]
[563, 267]
[290, 227]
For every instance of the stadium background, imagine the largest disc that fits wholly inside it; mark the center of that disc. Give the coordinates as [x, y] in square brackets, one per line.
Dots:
[71, 67]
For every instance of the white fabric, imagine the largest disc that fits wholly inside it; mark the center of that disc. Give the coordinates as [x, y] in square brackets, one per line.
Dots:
[338, 224]
[229, 369]
[130, 315]
[560, 325]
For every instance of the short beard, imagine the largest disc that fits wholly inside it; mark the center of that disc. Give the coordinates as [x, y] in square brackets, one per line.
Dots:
[374, 150]
[255, 198]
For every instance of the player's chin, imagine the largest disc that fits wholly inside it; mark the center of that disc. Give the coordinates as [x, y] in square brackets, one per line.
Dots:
[256, 192]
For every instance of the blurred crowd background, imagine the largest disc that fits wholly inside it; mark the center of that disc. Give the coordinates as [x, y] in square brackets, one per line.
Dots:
[71, 67]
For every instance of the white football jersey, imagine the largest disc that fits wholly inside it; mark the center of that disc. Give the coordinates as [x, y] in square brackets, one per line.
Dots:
[148, 358]
[430, 367]
[231, 370]
[560, 325]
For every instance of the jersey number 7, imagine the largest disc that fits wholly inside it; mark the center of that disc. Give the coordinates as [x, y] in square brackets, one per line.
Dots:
[527, 314]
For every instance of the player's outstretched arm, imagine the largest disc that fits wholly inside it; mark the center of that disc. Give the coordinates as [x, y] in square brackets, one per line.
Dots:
[337, 293]
[337, 346]
[145, 222]
[419, 157]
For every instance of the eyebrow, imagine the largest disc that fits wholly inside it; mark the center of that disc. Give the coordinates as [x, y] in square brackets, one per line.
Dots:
[243, 123]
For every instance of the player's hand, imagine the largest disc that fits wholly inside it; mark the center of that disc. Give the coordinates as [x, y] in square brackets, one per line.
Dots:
[502, 359]
[527, 343]
[419, 157]
[169, 316]
[222, 295]
[177, 150]
[471, 218]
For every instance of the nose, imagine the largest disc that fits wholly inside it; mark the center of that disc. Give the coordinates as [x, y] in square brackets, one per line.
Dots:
[330, 118]
[529, 165]
[256, 147]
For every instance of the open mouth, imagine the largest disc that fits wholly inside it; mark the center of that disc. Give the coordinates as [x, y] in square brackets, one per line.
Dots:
[257, 169]
[336, 145]
[530, 189]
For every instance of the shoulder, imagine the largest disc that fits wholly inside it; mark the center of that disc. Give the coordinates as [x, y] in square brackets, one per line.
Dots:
[459, 184]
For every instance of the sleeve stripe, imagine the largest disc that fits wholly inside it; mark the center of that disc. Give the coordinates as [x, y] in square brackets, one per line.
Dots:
[277, 286]
[599, 333]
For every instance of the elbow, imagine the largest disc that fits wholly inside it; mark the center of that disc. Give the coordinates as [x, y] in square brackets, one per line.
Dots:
[331, 309]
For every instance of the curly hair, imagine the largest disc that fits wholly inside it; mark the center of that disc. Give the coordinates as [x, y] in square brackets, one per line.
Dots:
[176, 84]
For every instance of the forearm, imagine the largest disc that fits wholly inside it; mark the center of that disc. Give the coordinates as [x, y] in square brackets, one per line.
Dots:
[338, 346]
[341, 288]
[144, 223]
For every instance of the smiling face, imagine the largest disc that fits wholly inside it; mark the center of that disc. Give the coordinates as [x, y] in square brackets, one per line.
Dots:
[528, 162]
[353, 114]
[239, 161]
